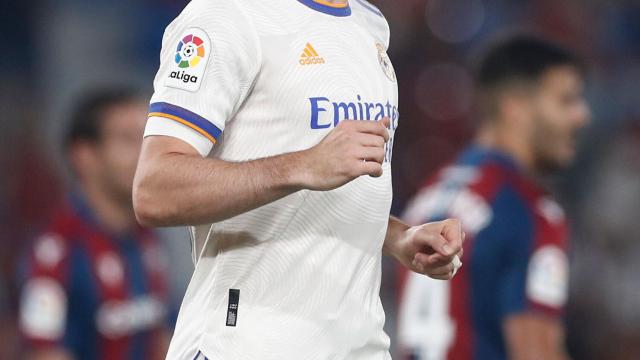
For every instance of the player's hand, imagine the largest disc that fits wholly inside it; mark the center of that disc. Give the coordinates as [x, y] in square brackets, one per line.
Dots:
[433, 249]
[352, 149]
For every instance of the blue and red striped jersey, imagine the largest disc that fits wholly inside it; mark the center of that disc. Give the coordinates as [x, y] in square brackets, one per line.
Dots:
[95, 294]
[514, 258]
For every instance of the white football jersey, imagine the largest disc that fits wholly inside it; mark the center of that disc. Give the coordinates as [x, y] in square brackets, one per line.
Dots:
[298, 278]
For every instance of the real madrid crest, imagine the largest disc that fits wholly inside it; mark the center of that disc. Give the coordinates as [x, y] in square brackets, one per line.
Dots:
[385, 62]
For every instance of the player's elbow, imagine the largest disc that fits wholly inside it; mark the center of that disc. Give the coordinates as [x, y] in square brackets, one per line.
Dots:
[146, 213]
[149, 204]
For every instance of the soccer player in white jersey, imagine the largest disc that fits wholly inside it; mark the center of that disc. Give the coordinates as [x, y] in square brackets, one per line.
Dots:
[270, 130]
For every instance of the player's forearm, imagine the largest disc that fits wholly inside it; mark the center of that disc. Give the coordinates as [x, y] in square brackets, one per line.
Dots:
[175, 186]
[179, 189]
[395, 230]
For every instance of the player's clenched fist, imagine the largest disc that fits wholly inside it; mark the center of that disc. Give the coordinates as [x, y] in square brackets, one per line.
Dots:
[352, 149]
[433, 249]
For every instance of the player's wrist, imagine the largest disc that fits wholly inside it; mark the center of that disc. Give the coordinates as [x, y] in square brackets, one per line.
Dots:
[397, 231]
[297, 175]
[389, 248]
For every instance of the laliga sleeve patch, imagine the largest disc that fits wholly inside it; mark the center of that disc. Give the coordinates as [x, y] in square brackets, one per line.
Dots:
[43, 309]
[189, 60]
[548, 276]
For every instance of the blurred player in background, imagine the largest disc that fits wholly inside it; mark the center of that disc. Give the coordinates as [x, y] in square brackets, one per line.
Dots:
[271, 128]
[507, 302]
[95, 281]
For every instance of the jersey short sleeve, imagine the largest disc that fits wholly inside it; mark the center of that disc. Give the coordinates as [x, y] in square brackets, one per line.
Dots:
[547, 284]
[44, 295]
[535, 274]
[210, 57]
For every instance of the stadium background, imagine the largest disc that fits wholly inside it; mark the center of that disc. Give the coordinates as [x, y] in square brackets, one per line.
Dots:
[54, 50]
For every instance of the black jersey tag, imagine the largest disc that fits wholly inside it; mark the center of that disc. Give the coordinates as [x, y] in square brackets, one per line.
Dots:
[232, 311]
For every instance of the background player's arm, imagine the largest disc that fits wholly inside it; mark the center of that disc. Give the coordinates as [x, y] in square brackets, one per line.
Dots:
[532, 326]
[428, 248]
[531, 336]
[160, 344]
[43, 313]
[533, 286]
[174, 185]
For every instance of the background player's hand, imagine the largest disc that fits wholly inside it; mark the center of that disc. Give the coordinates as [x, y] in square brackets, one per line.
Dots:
[432, 248]
[352, 149]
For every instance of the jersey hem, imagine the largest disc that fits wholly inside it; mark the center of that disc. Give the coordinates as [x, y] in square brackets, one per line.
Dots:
[161, 126]
[186, 117]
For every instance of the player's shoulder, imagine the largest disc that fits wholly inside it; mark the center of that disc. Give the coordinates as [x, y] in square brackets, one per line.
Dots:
[367, 7]
[451, 189]
[540, 203]
[55, 241]
[231, 9]
[65, 233]
[233, 15]
[526, 213]
[223, 27]
[474, 173]
[212, 7]
[373, 19]
[501, 181]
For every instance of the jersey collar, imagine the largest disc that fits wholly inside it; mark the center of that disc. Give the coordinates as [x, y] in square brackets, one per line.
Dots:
[327, 7]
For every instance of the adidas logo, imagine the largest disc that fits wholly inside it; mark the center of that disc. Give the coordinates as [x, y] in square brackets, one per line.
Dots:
[310, 56]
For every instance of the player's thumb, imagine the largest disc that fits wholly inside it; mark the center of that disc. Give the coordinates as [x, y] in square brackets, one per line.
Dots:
[436, 241]
[443, 247]
[452, 232]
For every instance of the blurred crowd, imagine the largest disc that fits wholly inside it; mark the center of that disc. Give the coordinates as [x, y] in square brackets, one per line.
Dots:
[55, 51]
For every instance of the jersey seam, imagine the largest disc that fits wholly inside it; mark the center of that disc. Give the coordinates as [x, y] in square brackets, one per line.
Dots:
[214, 284]
[220, 266]
[256, 38]
[248, 87]
[370, 7]
[192, 242]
